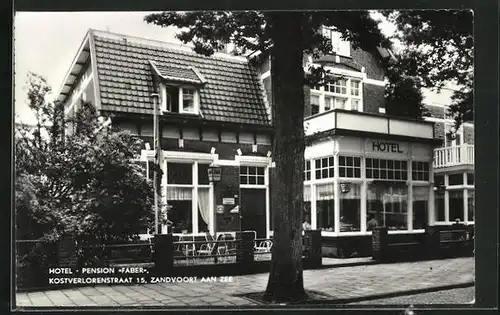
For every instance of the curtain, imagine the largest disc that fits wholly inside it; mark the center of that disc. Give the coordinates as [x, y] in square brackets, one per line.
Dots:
[325, 192]
[420, 193]
[307, 193]
[204, 204]
[179, 193]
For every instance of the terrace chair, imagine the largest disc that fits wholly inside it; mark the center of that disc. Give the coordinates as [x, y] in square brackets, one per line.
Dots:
[187, 249]
[207, 249]
[264, 247]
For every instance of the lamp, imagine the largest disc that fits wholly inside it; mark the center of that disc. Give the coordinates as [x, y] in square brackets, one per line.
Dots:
[345, 188]
[214, 173]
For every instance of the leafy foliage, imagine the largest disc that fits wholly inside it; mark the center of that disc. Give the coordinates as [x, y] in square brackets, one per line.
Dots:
[83, 184]
[439, 49]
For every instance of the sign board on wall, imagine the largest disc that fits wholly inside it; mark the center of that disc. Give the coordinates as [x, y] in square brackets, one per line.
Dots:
[228, 201]
[386, 147]
[350, 144]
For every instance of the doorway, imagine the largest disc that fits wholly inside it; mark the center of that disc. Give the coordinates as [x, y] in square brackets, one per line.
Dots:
[253, 210]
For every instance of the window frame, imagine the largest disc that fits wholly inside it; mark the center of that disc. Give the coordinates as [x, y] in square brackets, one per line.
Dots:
[165, 99]
[324, 92]
[339, 46]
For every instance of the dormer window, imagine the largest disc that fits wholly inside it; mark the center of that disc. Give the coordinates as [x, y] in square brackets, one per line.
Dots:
[339, 46]
[179, 99]
[179, 87]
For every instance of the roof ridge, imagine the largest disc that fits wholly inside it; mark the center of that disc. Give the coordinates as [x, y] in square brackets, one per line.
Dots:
[141, 41]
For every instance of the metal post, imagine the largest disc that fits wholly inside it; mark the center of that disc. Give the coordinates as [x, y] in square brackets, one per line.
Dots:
[156, 162]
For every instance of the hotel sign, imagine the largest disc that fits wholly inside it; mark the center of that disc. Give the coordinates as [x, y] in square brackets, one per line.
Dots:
[386, 146]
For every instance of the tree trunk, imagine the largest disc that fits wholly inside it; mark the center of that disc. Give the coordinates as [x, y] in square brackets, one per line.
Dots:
[285, 278]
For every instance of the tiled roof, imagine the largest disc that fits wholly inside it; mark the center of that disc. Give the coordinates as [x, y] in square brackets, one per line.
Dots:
[180, 74]
[231, 93]
[344, 63]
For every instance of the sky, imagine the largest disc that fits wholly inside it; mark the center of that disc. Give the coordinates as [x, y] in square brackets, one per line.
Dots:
[47, 42]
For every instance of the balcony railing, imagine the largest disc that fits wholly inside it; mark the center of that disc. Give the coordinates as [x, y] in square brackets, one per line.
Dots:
[453, 156]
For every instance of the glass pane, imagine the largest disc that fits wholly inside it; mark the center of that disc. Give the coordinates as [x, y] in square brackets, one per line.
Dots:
[324, 173]
[357, 161]
[252, 180]
[383, 163]
[243, 170]
[357, 172]
[470, 205]
[180, 215]
[420, 207]
[342, 172]
[325, 207]
[439, 204]
[317, 163]
[342, 160]
[314, 109]
[260, 180]
[387, 206]
[368, 162]
[470, 179]
[180, 173]
[456, 205]
[318, 174]
[438, 180]
[330, 161]
[350, 207]
[349, 172]
[260, 170]
[203, 174]
[252, 170]
[331, 171]
[456, 179]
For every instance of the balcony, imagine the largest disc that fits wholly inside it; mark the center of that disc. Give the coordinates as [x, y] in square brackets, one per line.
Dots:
[454, 156]
[338, 119]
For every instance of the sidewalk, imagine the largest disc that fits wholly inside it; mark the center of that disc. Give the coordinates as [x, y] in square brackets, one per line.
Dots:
[356, 282]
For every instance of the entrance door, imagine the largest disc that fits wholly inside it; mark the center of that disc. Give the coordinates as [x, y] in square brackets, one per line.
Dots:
[253, 210]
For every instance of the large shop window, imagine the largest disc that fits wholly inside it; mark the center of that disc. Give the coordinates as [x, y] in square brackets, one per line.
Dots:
[420, 171]
[181, 197]
[349, 167]
[439, 205]
[252, 175]
[420, 207]
[456, 205]
[470, 205]
[387, 205]
[455, 179]
[350, 207]
[386, 169]
[325, 207]
[324, 168]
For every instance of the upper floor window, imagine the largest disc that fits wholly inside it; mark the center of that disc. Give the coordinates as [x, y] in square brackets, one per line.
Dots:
[339, 46]
[179, 99]
[342, 93]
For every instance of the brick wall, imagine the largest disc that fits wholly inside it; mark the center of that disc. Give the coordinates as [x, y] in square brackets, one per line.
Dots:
[371, 62]
[436, 111]
[228, 187]
[468, 134]
[439, 132]
[373, 98]
[307, 101]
